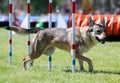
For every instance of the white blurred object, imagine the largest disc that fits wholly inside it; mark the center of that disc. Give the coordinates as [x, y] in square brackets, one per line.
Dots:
[24, 23]
[61, 22]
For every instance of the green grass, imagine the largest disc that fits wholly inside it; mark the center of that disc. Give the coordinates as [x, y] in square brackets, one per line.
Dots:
[106, 62]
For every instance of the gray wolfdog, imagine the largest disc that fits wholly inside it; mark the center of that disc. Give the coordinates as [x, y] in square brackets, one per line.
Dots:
[46, 40]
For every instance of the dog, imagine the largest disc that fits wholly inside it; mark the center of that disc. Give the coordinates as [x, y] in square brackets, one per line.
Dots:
[46, 40]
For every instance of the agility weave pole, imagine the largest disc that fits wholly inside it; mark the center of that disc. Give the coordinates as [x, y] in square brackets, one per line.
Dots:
[11, 23]
[10, 33]
[73, 47]
[28, 37]
[50, 25]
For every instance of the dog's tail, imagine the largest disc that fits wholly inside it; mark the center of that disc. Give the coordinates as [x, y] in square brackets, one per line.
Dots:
[23, 31]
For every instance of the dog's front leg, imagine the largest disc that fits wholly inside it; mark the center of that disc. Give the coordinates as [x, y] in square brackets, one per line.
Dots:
[87, 60]
[81, 65]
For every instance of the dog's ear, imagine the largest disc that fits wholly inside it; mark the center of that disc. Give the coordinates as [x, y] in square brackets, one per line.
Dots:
[91, 23]
[103, 23]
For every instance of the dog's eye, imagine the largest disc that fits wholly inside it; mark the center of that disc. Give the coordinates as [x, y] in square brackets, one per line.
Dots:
[98, 31]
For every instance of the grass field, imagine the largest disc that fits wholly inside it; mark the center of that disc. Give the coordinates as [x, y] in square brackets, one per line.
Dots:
[106, 62]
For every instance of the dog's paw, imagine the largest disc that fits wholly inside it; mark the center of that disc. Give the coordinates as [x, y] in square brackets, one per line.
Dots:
[24, 69]
[91, 70]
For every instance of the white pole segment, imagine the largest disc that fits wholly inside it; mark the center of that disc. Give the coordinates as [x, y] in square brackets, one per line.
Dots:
[50, 26]
[10, 33]
[73, 47]
[28, 37]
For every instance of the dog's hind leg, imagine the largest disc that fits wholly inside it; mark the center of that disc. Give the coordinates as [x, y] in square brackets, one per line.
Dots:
[25, 60]
[31, 63]
[30, 58]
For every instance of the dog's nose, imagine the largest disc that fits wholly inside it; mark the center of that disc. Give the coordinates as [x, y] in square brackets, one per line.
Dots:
[103, 41]
[105, 38]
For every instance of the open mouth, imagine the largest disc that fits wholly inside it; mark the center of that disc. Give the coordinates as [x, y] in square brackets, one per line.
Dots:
[101, 40]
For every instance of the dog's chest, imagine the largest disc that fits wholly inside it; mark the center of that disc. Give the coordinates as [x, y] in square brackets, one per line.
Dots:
[85, 48]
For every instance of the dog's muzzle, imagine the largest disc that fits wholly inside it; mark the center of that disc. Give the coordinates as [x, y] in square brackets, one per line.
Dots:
[101, 40]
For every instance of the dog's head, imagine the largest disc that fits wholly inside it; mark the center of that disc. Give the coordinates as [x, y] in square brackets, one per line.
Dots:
[98, 30]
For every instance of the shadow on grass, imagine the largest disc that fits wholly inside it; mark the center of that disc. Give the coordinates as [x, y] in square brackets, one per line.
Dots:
[107, 72]
[94, 72]
[68, 69]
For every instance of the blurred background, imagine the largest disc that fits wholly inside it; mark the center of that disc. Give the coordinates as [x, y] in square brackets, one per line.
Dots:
[39, 7]
[61, 12]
